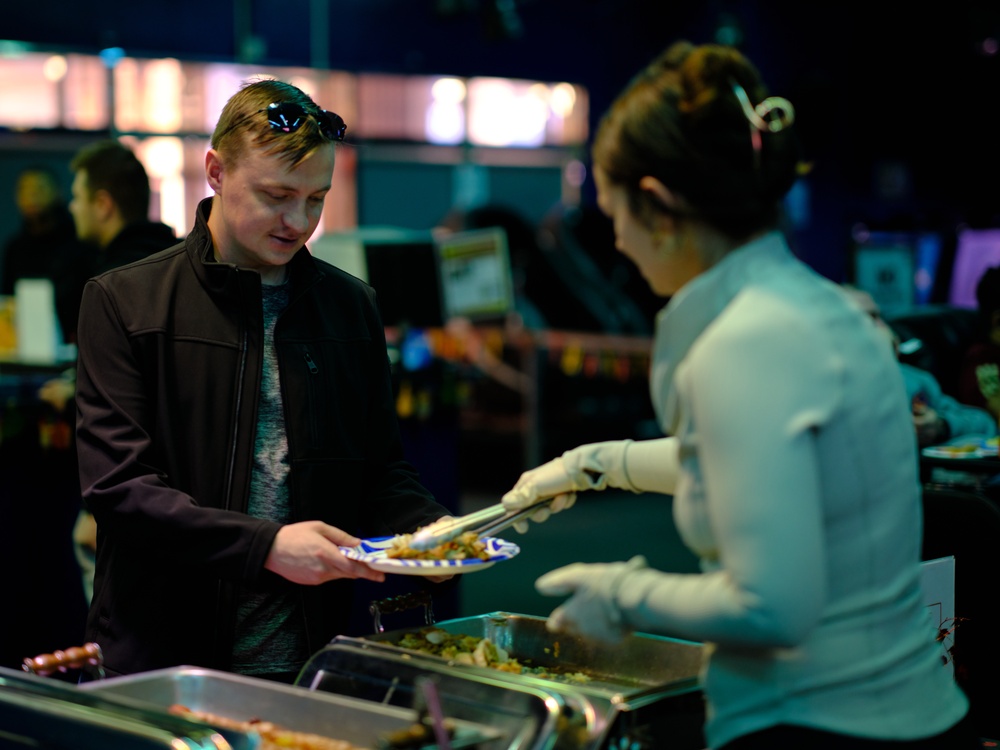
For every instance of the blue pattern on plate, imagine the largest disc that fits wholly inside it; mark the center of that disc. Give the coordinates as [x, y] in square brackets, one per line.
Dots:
[373, 551]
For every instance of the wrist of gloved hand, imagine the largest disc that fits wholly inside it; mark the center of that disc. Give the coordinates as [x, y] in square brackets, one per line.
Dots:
[597, 466]
[592, 611]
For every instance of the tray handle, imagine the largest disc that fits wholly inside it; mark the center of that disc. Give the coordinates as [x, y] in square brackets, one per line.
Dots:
[87, 657]
[401, 603]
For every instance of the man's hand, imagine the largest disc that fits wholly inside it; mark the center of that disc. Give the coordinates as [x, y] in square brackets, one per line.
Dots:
[930, 427]
[308, 553]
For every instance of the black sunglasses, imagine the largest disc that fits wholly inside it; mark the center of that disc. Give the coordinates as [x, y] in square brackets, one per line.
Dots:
[287, 117]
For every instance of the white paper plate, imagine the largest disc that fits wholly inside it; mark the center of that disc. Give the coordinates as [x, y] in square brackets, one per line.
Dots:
[372, 552]
[951, 451]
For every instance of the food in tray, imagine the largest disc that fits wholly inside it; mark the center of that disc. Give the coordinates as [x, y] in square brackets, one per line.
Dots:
[467, 546]
[479, 652]
[273, 737]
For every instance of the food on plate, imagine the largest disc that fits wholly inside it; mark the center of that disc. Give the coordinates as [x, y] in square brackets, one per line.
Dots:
[273, 737]
[468, 546]
[967, 449]
[479, 652]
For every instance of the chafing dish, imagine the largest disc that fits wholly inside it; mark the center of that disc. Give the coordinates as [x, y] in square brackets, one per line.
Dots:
[40, 713]
[361, 722]
[642, 693]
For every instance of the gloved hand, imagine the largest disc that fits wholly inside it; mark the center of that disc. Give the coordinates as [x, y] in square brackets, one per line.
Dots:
[590, 467]
[592, 610]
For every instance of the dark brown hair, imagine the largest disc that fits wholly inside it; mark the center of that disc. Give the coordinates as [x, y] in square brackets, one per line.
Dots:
[680, 121]
[243, 122]
[114, 168]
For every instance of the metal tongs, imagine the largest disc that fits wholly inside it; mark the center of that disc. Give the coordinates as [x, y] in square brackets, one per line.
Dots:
[485, 522]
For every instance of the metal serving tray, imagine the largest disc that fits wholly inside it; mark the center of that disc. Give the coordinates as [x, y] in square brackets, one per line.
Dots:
[358, 721]
[525, 716]
[43, 713]
[643, 693]
[641, 665]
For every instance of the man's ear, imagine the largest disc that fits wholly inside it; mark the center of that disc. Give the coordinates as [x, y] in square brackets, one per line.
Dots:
[214, 170]
[105, 204]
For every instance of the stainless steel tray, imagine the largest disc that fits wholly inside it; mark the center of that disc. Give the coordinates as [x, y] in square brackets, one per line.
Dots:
[526, 716]
[641, 665]
[360, 722]
[44, 713]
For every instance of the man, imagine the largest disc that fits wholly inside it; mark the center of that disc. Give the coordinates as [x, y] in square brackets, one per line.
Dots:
[937, 417]
[236, 420]
[45, 245]
[110, 206]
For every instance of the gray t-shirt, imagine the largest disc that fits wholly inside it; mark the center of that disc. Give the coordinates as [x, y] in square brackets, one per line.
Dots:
[270, 630]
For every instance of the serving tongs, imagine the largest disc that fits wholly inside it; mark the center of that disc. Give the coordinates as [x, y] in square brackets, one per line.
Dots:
[485, 522]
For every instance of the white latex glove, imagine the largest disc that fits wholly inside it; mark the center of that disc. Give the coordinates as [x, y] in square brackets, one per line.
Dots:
[592, 610]
[639, 466]
[550, 480]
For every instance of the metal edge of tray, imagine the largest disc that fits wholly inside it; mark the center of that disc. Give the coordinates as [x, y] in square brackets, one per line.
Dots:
[241, 698]
[566, 718]
[51, 714]
[623, 693]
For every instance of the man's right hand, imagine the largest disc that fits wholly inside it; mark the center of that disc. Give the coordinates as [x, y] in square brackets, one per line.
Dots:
[308, 553]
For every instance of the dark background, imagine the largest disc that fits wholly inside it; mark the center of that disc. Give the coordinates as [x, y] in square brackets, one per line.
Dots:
[896, 102]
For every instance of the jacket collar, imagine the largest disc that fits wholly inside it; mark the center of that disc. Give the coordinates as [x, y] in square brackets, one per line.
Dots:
[224, 277]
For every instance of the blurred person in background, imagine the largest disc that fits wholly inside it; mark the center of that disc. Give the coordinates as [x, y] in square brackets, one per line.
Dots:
[790, 451]
[110, 207]
[937, 417]
[236, 422]
[45, 246]
[979, 379]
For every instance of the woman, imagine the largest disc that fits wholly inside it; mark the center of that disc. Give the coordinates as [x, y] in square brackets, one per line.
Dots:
[791, 457]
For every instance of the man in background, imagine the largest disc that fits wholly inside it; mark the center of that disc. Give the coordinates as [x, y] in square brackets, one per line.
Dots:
[110, 206]
[937, 417]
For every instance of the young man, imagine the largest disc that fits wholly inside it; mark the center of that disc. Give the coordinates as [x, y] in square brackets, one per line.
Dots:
[236, 420]
[110, 206]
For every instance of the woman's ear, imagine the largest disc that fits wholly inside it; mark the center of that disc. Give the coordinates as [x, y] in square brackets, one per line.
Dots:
[662, 193]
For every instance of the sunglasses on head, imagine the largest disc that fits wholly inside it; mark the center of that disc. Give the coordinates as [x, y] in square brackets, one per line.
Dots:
[287, 117]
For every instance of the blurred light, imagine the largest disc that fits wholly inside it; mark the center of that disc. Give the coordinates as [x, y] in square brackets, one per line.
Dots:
[990, 46]
[445, 123]
[506, 113]
[562, 99]
[307, 85]
[163, 83]
[860, 233]
[163, 157]
[54, 69]
[448, 90]
[111, 56]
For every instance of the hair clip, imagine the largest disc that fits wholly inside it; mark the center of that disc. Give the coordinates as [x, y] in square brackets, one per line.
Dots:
[774, 114]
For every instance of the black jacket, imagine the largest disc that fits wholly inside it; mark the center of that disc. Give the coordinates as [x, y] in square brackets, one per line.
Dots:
[168, 382]
[134, 242]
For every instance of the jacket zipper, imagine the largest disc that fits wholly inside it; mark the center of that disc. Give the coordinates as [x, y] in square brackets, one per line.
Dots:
[236, 420]
[311, 391]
